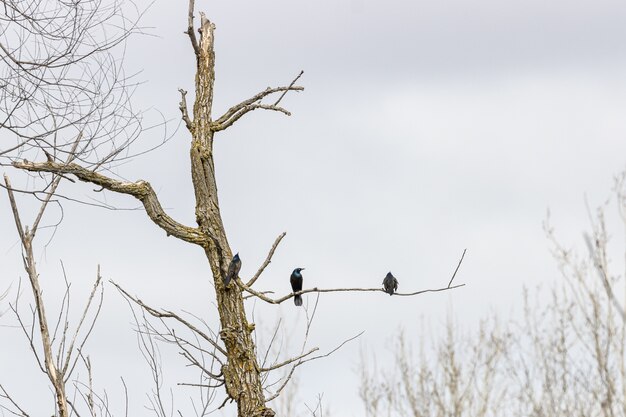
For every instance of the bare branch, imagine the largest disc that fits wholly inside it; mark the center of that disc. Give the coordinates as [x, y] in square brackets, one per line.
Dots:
[301, 362]
[90, 401]
[190, 31]
[262, 296]
[267, 260]
[290, 85]
[168, 314]
[457, 268]
[70, 349]
[55, 377]
[6, 395]
[183, 106]
[216, 126]
[245, 105]
[283, 385]
[141, 190]
[322, 290]
[16, 214]
[342, 344]
[54, 185]
[288, 361]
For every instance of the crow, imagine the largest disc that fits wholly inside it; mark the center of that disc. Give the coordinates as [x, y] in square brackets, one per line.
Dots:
[296, 285]
[390, 284]
[233, 269]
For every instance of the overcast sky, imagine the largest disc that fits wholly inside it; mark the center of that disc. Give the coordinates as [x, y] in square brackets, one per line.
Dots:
[424, 128]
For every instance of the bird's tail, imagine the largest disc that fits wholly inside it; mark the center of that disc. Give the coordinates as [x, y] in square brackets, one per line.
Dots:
[297, 300]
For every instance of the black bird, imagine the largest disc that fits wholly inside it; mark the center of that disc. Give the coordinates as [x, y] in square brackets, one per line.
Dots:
[233, 269]
[390, 284]
[296, 285]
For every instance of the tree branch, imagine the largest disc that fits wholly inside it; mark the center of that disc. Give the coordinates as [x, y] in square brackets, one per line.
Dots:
[168, 314]
[6, 395]
[51, 370]
[288, 361]
[251, 101]
[457, 267]
[183, 108]
[190, 32]
[263, 297]
[16, 214]
[268, 260]
[70, 350]
[216, 126]
[321, 290]
[141, 190]
[302, 362]
[290, 85]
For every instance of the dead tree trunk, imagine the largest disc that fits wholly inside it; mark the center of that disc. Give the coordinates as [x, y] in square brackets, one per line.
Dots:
[241, 374]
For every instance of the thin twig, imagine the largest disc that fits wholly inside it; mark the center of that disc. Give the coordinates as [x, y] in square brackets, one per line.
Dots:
[168, 314]
[290, 85]
[288, 361]
[68, 356]
[457, 267]
[6, 395]
[267, 260]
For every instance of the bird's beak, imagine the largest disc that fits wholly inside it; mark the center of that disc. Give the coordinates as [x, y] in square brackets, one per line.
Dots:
[302, 269]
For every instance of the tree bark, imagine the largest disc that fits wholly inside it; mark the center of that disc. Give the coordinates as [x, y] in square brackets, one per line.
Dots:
[243, 382]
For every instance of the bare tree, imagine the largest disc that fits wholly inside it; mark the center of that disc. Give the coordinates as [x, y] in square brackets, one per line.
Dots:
[58, 349]
[227, 357]
[456, 376]
[565, 357]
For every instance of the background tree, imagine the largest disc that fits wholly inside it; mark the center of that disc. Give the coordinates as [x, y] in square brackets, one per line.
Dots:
[565, 357]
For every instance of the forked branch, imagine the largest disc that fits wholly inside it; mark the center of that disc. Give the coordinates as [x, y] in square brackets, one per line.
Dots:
[236, 112]
[217, 126]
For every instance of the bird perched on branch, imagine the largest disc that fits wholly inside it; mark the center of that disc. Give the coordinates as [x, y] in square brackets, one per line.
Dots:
[296, 285]
[233, 269]
[390, 284]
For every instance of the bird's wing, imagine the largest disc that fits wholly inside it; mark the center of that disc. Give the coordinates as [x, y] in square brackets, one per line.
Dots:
[231, 269]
